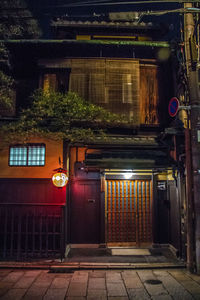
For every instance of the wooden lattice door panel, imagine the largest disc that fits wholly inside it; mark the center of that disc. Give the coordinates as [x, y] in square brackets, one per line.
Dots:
[128, 211]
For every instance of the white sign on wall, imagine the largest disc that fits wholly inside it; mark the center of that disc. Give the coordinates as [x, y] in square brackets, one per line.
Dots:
[198, 136]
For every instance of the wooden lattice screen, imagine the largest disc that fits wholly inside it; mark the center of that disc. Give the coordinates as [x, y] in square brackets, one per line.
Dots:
[129, 211]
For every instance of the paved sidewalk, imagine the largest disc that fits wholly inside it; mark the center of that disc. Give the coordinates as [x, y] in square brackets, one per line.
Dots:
[99, 285]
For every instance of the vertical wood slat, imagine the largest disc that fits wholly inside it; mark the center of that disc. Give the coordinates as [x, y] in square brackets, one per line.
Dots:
[150, 203]
[5, 232]
[148, 207]
[136, 210]
[139, 211]
[109, 209]
[47, 234]
[25, 236]
[117, 207]
[133, 217]
[18, 234]
[113, 212]
[12, 233]
[144, 210]
[129, 211]
[120, 213]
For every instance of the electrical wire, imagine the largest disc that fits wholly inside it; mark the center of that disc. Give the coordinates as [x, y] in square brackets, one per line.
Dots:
[107, 2]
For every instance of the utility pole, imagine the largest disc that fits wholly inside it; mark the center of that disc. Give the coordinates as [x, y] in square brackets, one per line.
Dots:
[192, 148]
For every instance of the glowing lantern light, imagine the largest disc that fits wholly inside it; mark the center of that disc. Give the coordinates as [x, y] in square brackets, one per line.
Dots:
[60, 178]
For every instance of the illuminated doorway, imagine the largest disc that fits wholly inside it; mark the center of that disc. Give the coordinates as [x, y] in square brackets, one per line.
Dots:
[128, 212]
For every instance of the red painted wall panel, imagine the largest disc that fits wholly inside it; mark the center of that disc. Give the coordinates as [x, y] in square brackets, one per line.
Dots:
[31, 191]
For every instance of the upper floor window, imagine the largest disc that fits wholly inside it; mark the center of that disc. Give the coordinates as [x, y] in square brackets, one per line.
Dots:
[27, 155]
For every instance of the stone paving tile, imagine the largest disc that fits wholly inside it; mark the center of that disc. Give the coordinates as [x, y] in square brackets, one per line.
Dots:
[24, 282]
[152, 289]
[77, 289]
[93, 293]
[174, 288]
[156, 289]
[76, 298]
[162, 273]
[64, 275]
[14, 294]
[13, 276]
[60, 283]
[194, 277]
[80, 273]
[4, 272]
[132, 281]
[6, 285]
[116, 289]
[97, 298]
[117, 298]
[191, 286]
[43, 281]
[35, 293]
[32, 273]
[138, 294]
[162, 297]
[129, 273]
[81, 277]
[52, 294]
[46, 274]
[96, 283]
[32, 297]
[97, 274]
[113, 277]
[146, 275]
[180, 276]
[3, 291]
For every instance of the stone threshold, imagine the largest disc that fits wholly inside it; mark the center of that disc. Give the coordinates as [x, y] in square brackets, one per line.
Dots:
[71, 267]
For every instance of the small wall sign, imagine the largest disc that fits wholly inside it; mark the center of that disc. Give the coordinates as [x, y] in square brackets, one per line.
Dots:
[198, 136]
[161, 185]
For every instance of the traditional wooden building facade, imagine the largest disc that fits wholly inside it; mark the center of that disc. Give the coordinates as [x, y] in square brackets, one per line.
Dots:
[122, 191]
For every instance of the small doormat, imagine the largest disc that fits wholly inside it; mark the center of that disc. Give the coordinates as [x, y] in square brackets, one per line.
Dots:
[129, 251]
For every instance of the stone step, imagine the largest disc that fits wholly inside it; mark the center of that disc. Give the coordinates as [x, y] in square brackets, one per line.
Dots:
[71, 267]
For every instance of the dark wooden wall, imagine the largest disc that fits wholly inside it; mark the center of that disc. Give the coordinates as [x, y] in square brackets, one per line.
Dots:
[31, 191]
[32, 218]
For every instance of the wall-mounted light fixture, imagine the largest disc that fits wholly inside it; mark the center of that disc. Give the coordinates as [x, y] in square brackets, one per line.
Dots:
[127, 175]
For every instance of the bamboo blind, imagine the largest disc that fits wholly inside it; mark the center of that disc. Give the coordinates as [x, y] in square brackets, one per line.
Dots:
[113, 84]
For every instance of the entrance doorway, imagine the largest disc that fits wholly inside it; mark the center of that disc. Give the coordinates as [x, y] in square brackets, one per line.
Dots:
[128, 212]
[85, 212]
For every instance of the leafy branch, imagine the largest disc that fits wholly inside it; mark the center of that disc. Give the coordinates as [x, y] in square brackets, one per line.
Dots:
[57, 116]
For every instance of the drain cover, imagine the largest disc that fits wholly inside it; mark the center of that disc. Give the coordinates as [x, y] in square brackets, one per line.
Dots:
[153, 281]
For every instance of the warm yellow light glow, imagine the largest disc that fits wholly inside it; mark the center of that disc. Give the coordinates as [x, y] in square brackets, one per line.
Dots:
[128, 175]
[60, 179]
